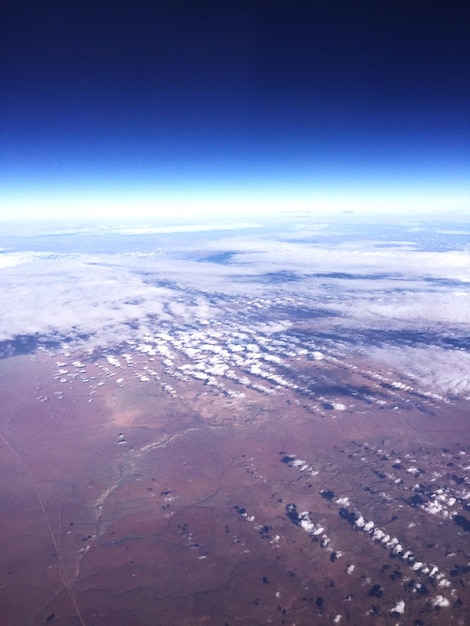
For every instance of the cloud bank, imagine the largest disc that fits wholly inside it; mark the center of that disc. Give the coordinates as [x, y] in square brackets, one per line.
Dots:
[409, 305]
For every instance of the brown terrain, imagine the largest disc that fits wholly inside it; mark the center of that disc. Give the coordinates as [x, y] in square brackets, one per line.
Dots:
[136, 492]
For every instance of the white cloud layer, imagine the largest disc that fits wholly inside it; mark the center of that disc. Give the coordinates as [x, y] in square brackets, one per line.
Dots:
[373, 293]
[69, 297]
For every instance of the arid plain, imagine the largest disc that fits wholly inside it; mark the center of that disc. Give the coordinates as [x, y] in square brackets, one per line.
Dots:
[133, 490]
[232, 443]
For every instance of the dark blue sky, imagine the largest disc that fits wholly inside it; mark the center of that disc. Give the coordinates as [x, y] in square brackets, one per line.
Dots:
[149, 99]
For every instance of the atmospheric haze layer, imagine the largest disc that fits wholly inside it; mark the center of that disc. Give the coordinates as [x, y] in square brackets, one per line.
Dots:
[164, 108]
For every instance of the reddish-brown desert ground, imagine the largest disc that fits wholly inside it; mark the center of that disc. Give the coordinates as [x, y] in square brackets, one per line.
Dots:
[133, 496]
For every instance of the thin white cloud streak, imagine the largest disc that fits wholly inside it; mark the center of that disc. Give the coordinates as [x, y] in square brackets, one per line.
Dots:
[413, 310]
[431, 369]
[187, 228]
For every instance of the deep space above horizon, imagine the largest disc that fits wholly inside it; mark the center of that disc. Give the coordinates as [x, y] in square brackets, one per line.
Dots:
[148, 107]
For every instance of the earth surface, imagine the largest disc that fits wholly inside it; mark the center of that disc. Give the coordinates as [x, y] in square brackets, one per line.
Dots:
[235, 423]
